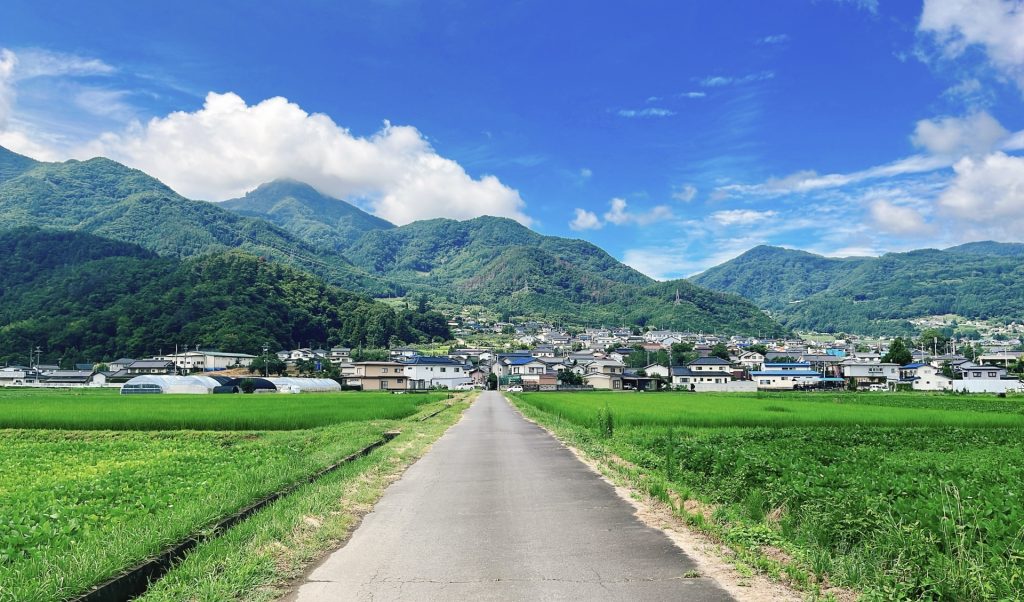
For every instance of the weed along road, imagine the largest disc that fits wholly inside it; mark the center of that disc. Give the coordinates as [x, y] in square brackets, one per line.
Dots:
[499, 510]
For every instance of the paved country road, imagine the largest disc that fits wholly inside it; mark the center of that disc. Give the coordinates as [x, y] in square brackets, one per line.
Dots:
[500, 510]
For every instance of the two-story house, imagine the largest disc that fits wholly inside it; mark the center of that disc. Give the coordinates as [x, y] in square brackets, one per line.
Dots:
[379, 376]
[604, 374]
[428, 372]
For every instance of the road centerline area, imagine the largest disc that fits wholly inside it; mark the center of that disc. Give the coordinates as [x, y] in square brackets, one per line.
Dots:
[500, 510]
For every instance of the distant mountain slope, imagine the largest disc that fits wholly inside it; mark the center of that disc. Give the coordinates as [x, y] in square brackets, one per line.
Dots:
[106, 198]
[12, 164]
[322, 221]
[773, 277]
[500, 264]
[878, 295]
[495, 264]
[84, 298]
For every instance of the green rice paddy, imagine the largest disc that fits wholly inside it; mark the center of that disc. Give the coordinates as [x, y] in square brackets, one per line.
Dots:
[112, 479]
[897, 496]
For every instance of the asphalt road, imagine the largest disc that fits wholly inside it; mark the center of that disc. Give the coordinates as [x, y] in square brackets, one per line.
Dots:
[499, 510]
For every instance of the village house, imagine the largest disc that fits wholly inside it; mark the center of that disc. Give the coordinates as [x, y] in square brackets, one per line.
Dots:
[430, 372]
[924, 377]
[870, 372]
[379, 376]
[604, 374]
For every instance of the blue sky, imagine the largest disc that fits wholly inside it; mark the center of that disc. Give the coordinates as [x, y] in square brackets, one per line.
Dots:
[675, 135]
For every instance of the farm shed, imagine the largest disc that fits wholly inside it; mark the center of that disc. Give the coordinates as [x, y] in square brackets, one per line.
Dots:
[287, 384]
[158, 383]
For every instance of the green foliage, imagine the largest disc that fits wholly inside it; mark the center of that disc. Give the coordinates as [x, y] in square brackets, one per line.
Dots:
[568, 377]
[877, 295]
[898, 353]
[719, 350]
[103, 299]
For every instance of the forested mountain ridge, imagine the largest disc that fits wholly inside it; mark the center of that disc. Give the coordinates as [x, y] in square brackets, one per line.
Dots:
[492, 263]
[82, 297]
[325, 222]
[108, 199]
[877, 295]
[502, 264]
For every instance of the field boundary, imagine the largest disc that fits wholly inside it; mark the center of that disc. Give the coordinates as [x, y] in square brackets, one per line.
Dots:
[135, 581]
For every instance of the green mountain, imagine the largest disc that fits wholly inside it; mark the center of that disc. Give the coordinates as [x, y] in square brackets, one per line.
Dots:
[877, 295]
[12, 164]
[81, 297]
[106, 198]
[500, 264]
[494, 264]
[324, 222]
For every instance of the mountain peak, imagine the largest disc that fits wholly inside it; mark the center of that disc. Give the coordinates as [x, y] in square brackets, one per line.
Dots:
[322, 220]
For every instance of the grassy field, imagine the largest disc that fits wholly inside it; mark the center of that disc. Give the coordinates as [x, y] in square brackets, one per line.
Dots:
[898, 496]
[78, 506]
[107, 409]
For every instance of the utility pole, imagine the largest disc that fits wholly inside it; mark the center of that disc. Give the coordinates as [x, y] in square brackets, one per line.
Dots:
[266, 366]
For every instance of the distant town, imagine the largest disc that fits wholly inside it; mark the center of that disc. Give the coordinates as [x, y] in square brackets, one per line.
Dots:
[542, 357]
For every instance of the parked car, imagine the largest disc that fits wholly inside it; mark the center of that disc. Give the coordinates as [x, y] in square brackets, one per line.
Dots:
[515, 389]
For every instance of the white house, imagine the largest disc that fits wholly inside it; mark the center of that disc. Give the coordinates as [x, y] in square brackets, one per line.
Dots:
[871, 373]
[207, 361]
[429, 372]
[655, 370]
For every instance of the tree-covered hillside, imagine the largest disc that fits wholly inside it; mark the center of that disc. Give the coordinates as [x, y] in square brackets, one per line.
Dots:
[492, 263]
[81, 297]
[878, 295]
[106, 198]
[327, 223]
[498, 263]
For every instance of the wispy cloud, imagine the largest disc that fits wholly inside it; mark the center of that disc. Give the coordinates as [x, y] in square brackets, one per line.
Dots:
[685, 193]
[718, 81]
[778, 38]
[741, 217]
[619, 214]
[645, 113]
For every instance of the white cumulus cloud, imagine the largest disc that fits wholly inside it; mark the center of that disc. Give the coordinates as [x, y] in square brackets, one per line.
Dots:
[8, 62]
[955, 136]
[997, 26]
[986, 197]
[585, 220]
[228, 147]
[898, 219]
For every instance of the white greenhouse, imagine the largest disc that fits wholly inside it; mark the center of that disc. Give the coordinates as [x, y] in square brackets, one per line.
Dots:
[154, 383]
[287, 384]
